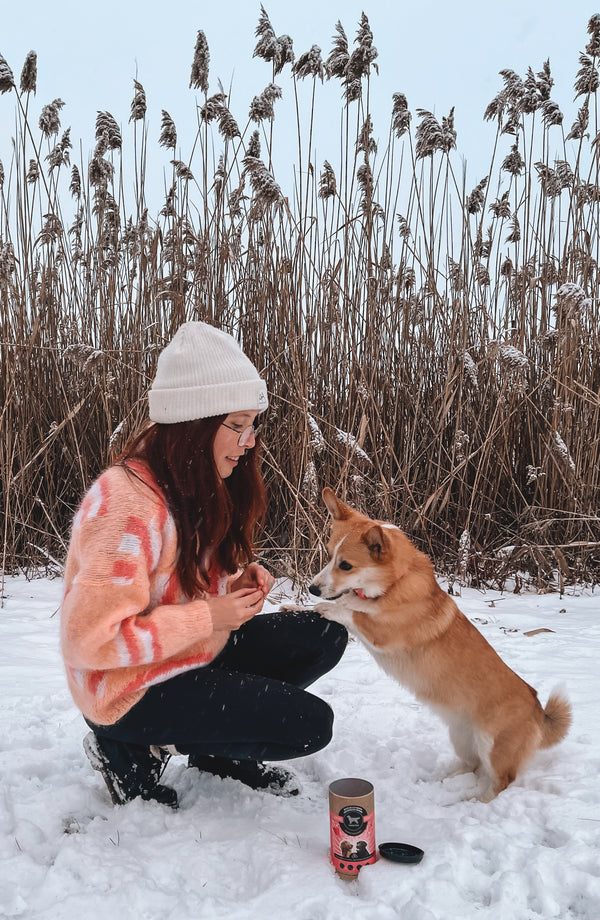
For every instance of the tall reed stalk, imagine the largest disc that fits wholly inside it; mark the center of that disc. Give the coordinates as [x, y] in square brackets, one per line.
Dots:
[431, 350]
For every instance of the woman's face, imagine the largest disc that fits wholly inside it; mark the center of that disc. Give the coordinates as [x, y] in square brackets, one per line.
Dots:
[226, 449]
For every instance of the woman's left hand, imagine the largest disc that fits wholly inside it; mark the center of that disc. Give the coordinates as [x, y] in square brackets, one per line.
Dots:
[254, 576]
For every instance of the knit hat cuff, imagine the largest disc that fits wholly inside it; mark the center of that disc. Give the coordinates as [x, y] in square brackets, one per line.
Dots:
[181, 404]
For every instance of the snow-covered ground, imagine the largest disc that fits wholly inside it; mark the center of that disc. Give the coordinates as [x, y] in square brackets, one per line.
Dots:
[67, 853]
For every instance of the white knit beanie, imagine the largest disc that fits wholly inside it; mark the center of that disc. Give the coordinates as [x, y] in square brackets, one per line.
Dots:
[203, 372]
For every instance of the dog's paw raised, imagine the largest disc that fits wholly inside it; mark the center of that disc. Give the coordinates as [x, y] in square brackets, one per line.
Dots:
[327, 610]
[292, 608]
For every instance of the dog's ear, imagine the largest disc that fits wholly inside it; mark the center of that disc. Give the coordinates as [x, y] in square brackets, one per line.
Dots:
[375, 540]
[337, 509]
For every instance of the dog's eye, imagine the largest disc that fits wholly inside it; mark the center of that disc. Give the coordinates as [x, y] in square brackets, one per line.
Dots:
[345, 566]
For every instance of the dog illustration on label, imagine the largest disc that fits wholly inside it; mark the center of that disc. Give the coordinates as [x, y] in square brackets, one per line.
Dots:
[353, 839]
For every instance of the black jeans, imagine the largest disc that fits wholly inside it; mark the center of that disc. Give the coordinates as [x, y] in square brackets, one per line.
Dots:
[250, 702]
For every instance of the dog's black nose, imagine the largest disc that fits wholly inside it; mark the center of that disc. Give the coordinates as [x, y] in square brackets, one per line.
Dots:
[314, 590]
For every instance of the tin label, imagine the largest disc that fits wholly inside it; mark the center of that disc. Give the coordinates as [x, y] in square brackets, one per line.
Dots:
[352, 839]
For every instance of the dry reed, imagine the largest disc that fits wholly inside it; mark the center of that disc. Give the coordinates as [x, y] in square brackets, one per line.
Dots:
[431, 350]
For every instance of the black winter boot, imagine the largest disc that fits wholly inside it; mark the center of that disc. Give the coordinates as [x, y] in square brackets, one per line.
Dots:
[130, 770]
[257, 775]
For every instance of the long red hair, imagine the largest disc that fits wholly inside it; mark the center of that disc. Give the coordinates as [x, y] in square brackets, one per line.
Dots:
[216, 519]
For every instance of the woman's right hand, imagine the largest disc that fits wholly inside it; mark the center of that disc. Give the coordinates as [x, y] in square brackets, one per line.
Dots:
[230, 611]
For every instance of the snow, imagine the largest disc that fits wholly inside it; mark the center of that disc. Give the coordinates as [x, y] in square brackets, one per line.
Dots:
[66, 852]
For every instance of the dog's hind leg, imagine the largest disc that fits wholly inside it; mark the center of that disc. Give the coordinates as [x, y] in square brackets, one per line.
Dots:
[509, 752]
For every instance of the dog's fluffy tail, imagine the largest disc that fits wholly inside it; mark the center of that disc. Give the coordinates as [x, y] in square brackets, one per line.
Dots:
[557, 718]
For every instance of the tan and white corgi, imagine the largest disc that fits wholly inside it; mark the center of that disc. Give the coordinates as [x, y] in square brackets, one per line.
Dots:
[379, 585]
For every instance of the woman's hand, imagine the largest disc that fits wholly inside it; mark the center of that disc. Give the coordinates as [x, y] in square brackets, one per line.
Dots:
[230, 611]
[255, 576]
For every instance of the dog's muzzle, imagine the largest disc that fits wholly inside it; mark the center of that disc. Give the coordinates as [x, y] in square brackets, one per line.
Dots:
[314, 589]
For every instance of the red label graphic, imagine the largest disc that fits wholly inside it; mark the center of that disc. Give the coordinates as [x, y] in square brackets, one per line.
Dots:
[352, 839]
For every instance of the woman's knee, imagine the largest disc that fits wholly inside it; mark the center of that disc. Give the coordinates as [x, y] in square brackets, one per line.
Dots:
[319, 724]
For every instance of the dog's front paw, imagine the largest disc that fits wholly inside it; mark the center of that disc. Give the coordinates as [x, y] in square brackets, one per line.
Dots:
[293, 608]
[326, 610]
[334, 612]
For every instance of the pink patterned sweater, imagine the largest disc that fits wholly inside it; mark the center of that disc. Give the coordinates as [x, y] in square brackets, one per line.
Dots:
[125, 622]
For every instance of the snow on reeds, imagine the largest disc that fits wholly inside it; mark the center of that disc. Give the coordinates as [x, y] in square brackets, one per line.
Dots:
[431, 349]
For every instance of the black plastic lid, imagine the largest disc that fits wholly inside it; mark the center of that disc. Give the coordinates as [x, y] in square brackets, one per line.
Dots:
[401, 852]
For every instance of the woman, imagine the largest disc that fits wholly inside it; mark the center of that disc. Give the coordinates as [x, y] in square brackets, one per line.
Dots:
[163, 648]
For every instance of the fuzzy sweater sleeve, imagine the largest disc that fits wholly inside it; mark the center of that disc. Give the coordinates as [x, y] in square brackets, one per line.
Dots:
[121, 605]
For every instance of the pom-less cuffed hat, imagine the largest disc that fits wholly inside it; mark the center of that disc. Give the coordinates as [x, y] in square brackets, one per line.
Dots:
[203, 372]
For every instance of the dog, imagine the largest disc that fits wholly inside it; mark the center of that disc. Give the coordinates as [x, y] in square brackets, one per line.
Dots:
[383, 589]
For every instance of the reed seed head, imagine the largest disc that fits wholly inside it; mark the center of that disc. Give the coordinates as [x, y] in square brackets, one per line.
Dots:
[327, 183]
[549, 180]
[59, 155]
[182, 170]
[482, 274]
[310, 64]
[277, 50]
[587, 192]
[515, 230]
[266, 189]
[75, 186]
[531, 98]
[431, 136]
[474, 202]
[470, 370]
[593, 28]
[403, 227]
[7, 261]
[364, 55]
[501, 206]
[496, 107]
[138, 104]
[514, 162]
[100, 171]
[513, 87]
[228, 127]
[561, 452]
[33, 172]
[29, 74]
[551, 113]
[253, 149]
[365, 141]
[168, 133]
[512, 360]
[262, 106]
[7, 80]
[545, 81]
[400, 114]
[310, 484]
[199, 74]
[570, 302]
[266, 37]
[579, 126]
[337, 62]
[108, 130]
[213, 107]
[587, 76]
[49, 119]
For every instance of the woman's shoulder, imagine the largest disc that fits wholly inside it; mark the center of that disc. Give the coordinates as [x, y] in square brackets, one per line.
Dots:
[123, 489]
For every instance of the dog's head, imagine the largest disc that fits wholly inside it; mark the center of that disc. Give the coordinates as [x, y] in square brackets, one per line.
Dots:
[361, 561]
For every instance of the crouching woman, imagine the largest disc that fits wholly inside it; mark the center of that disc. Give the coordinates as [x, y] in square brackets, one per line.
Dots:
[163, 647]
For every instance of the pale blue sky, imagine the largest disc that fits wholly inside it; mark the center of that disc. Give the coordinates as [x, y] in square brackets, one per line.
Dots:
[438, 54]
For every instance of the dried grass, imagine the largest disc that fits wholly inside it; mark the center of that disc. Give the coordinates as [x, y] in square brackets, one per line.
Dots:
[432, 351]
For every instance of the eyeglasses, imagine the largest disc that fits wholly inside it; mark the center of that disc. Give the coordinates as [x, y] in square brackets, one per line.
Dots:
[246, 435]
